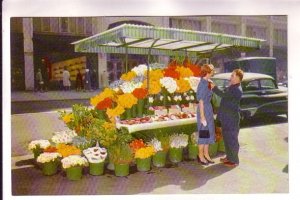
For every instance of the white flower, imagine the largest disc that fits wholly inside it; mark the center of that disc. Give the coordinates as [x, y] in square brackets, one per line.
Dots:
[63, 136]
[95, 154]
[194, 81]
[156, 144]
[194, 138]
[48, 157]
[161, 98]
[169, 83]
[150, 99]
[129, 86]
[178, 140]
[192, 97]
[169, 98]
[140, 70]
[74, 160]
[41, 143]
[187, 98]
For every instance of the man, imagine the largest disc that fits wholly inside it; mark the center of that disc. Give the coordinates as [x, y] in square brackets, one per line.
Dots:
[228, 115]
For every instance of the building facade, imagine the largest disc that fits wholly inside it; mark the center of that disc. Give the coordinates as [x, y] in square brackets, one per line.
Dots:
[45, 43]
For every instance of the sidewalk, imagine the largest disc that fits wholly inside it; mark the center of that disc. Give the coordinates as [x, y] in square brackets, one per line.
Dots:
[21, 96]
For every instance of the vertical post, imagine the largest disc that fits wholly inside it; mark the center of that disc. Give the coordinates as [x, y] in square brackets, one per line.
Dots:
[126, 58]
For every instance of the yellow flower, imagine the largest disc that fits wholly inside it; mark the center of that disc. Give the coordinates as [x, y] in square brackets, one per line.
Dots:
[184, 72]
[127, 100]
[145, 152]
[108, 126]
[183, 85]
[67, 150]
[128, 76]
[117, 111]
[155, 74]
[67, 118]
[107, 93]
[155, 86]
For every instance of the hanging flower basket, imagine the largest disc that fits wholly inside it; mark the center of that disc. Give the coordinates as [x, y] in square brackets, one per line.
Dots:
[74, 173]
[143, 165]
[159, 159]
[50, 168]
[96, 169]
[213, 149]
[175, 155]
[193, 151]
[121, 169]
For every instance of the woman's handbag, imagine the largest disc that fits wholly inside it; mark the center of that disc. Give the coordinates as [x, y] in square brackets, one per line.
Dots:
[204, 133]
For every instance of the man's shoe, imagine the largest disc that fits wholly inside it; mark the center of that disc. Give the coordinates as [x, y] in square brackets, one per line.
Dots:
[230, 164]
[224, 160]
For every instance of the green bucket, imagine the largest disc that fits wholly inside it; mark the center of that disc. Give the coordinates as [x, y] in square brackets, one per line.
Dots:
[96, 169]
[213, 149]
[134, 111]
[50, 168]
[140, 107]
[221, 146]
[74, 173]
[193, 151]
[159, 159]
[121, 169]
[175, 155]
[143, 165]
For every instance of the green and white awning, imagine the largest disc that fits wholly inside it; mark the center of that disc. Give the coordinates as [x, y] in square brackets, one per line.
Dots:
[138, 39]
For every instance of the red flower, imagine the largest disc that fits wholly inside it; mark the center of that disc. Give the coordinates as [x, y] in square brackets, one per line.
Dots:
[171, 72]
[195, 69]
[140, 93]
[50, 149]
[106, 103]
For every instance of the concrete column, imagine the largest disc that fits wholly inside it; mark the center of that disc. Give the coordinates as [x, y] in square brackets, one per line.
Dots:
[28, 53]
[208, 24]
[271, 36]
[243, 32]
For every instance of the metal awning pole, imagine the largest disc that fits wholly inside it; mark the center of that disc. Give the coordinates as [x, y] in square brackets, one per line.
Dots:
[212, 51]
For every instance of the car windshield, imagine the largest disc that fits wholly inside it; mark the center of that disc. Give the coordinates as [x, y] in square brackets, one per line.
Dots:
[221, 83]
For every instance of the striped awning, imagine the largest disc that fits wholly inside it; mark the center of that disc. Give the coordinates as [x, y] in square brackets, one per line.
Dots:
[138, 39]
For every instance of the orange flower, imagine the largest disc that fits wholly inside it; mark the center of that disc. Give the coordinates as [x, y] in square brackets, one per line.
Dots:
[137, 144]
[195, 69]
[140, 93]
[106, 103]
[67, 150]
[171, 72]
[50, 149]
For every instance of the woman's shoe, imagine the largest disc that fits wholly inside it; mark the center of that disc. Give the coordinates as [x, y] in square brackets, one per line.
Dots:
[201, 162]
[210, 161]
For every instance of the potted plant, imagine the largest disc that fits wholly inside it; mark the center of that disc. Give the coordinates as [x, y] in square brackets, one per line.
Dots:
[49, 162]
[96, 157]
[140, 94]
[177, 143]
[193, 146]
[142, 154]
[37, 147]
[121, 156]
[73, 165]
[161, 146]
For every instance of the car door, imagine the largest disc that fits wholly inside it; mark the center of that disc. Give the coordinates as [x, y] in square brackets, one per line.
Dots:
[272, 100]
[250, 101]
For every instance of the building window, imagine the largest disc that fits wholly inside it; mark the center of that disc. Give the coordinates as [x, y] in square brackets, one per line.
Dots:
[64, 25]
[45, 24]
[80, 25]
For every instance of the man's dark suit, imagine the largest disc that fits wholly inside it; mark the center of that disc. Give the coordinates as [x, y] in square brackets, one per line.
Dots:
[229, 116]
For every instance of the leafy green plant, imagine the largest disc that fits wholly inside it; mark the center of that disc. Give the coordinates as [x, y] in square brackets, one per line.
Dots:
[164, 138]
[120, 154]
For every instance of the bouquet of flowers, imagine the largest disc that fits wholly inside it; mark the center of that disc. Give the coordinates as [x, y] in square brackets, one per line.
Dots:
[156, 144]
[67, 150]
[194, 138]
[169, 84]
[178, 140]
[137, 144]
[95, 154]
[48, 157]
[38, 144]
[74, 161]
[63, 137]
[144, 152]
[139, 70]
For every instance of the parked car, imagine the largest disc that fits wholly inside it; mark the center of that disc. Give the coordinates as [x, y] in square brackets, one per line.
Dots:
[261, 95]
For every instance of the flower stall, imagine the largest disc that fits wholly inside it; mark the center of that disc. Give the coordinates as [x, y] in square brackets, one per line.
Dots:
[149, 115]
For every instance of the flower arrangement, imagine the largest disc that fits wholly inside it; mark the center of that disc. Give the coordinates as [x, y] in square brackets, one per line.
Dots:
[144, 152]
[193, 140]
[120, 153]
[128, 87]
[171, 72]
[178, 140]
[114, 112]
[155, 86]
[128, 76]
[140, 93]
[50, 149]
[184, 71]
[107, 93]
[38, 144]
[156, 144]
[106, 103]
[74, 161]
[183, 85]
[68, 118]
[139, 70]
[95, 154]
[63, 137]
[194, 81]
[67, 150]
[48, 157]
[164, 139]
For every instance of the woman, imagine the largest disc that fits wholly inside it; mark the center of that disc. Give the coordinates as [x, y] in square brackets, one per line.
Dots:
[66, 79]
[205, 116]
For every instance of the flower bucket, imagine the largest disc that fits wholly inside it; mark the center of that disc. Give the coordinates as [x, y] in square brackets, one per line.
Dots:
[74, 173]
[221, 146]
[213, 149]
[36, 152]
[121, 169]
[128, 113]
[159, 159]
[110, 166]
[175, 155]
[96, 169]
[193, 151]
[49, 168]
[134, 111]
[140, 107]
[143, 165]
